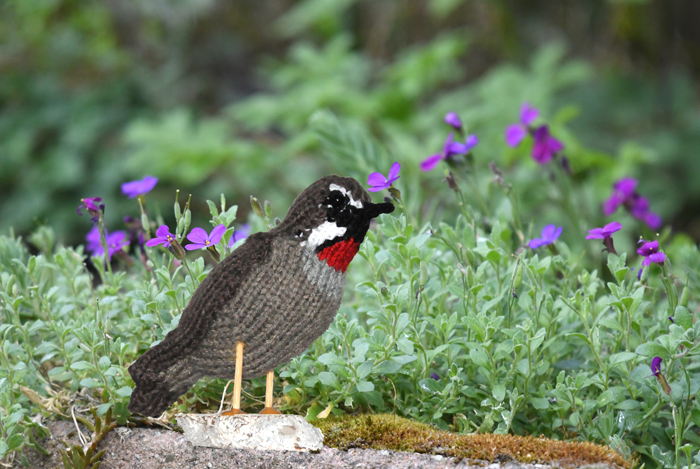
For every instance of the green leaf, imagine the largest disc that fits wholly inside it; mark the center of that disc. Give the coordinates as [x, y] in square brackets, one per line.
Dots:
[364, 369]
[90, 383]
[621, 357]
[651, 350]
[539, 403]
[82, 365]
[499, 392]
[103, 408]
[683, 317]
[331, 358]
[365, 386]
[328, 378]
[124, 391]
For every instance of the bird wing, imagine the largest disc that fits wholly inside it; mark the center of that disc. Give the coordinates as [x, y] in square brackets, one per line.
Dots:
[209, 299]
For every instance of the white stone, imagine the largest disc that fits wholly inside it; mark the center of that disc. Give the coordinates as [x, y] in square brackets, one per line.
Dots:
[251, 431]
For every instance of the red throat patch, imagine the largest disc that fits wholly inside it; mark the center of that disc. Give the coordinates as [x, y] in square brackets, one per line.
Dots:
[340, 254]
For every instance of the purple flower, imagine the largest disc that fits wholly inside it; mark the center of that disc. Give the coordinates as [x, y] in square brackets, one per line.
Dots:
[379, 182]
[515, 133]
[656, 371]
[670, 318]
[550, 233]
[136, 188]
[430, 162]
[605, 232]
[163, 236]
[201, 240]
[624, 194]
[545, 146]
[435, 376]
[450, 149]
[90, 204]
[622, 191]
[239, 234]
[453, 119]
[650, 251]
[115, 242]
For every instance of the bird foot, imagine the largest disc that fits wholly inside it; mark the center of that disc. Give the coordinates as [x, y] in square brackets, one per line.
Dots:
[270, 411]
[233, 412]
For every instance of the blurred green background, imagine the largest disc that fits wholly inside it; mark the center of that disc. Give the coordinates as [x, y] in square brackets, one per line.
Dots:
[217, 96]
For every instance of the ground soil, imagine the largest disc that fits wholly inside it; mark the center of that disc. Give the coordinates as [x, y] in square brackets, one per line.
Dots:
[151, 448]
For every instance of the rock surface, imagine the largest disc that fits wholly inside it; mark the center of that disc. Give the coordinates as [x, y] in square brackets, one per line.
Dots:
[151, 448]
[251, 431]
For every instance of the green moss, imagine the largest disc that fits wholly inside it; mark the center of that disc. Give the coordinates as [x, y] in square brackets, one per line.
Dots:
[390, 432]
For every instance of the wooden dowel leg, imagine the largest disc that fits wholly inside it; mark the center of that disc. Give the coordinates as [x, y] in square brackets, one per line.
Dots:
[269, 386]
[238, 377]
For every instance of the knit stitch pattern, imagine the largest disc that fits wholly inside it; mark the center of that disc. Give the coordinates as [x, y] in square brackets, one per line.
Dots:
[273, 293]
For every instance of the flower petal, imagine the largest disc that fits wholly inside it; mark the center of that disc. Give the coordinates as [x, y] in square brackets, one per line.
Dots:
[548, 232]
[376, 179]
[648, 248]
[626, 186]
[192, 247]
[198, 235]
[471, 142]
[394, 172]
[612, 227]
[379, 187]
[657, 257]
[652, 220]
[557, 233]
[596, 233]
[656, 365]
[537, 242]
[515, 134]
[453, 119]
[430, 162]
[163, 231]
[528, 114]
[216, 234]
[156, 241]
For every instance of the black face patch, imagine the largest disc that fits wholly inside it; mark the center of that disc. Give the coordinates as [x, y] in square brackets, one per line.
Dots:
[341, 212]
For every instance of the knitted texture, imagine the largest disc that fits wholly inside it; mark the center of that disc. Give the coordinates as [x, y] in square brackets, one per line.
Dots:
[276, 293]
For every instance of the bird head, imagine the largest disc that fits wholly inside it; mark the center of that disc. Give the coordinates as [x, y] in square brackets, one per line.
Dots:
[331, 217]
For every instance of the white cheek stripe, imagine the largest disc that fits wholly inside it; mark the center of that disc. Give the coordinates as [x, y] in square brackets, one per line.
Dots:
[323, 233]
[344, 191]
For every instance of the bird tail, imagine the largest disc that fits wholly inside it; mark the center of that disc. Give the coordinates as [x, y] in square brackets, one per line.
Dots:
[156, 390]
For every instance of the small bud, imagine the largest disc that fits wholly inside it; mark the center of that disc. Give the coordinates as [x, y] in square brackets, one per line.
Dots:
[451, 182]
[385, 293]
[517, 276]
[277, 221]
[188, 218]
[178, 212]
[144, 221]
[177, 250]
[257, 208]
[423, 273]
[395, 193]
[685, 296]
[268, 209]
[566, 165]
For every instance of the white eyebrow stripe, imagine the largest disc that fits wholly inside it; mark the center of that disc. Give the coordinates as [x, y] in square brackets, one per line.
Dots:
[344, 191]
[324, 232]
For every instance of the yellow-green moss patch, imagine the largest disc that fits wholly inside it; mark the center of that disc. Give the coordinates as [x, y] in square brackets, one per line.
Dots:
[400, 434]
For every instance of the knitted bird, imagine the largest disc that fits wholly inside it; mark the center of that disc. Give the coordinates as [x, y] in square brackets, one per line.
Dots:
[265, 303]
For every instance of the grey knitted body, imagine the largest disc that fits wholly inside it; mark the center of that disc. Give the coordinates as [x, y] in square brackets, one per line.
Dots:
[275, 294]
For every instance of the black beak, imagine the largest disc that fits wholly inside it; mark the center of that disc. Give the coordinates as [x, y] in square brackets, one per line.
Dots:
[374, 210]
